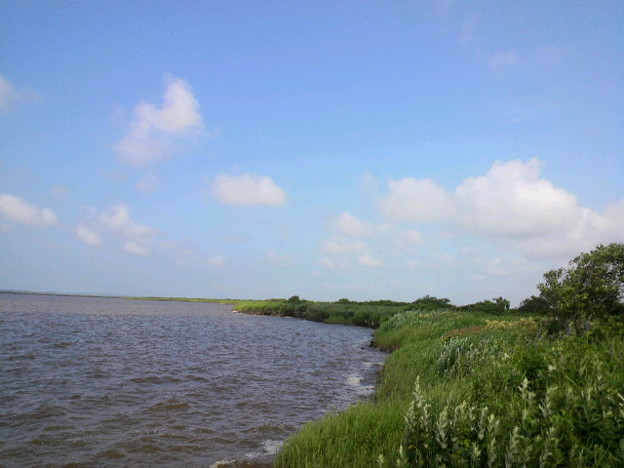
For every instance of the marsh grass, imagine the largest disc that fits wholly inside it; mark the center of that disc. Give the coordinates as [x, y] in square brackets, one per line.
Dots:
[352, 437]
[463, 388]
[570, 414]
[350, 313]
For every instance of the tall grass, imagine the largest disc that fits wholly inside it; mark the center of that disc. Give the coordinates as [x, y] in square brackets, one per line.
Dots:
[463, 388]
[571, 413]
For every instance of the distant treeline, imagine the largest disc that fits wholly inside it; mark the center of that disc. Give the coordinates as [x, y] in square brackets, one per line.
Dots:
[361, 313]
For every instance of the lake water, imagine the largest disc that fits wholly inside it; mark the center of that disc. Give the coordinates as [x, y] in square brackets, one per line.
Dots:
[114, 382]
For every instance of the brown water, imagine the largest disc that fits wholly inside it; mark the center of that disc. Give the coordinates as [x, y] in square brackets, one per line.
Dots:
[114, 382]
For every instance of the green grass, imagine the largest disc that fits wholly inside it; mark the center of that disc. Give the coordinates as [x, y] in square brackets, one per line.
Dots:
[463, 388]
[360, 314]
[353, 437]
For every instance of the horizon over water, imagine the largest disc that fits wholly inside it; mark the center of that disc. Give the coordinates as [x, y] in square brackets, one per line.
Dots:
[118, 382]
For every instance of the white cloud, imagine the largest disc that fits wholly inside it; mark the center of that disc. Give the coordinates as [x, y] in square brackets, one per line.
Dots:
[137, 239]
[88, 236]
[8, 93]
[511, 204]
[352, 226]
[416, 200]
[511, 200]
[136, 247]
[148, 184]
[15, 208]
[368, 261]
[247, 189]
[155, 131]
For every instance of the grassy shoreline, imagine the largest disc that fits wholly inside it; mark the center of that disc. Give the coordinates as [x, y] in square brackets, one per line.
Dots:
[474, 389]
[467, 386]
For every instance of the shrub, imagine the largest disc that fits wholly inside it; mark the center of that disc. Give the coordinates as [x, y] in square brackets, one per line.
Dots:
[592, 286]
[571, 414]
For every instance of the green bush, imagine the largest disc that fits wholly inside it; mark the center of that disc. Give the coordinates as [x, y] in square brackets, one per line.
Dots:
[591, 287]
[571, 414]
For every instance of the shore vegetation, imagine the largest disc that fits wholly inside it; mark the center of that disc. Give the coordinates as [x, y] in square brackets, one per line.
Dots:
[487, 385]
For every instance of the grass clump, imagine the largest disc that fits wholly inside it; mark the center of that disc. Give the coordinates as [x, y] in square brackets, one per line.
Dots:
[352, 437]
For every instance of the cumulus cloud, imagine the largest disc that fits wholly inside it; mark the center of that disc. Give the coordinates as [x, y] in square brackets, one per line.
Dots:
[416, 200]
[136, 238]
[511, 200]
[247, 189]
[348, 224]
[513, 204]
[155, 131]
[17, 209]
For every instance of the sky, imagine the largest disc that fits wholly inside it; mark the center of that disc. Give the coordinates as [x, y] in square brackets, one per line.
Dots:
[353, 149]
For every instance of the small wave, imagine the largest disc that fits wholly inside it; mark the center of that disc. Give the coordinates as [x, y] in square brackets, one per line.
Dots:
[168, 405]
[62, 344]
[269, 449]
[223, 464]
[197, 378]
[20, 357]
[155, 379]
[44, 411]
[110, 454]
[354, 380]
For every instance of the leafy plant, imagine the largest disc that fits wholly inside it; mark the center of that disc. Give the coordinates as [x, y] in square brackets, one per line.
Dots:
[592, 286]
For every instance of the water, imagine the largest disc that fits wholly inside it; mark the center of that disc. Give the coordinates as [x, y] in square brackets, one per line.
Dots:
[115, 382]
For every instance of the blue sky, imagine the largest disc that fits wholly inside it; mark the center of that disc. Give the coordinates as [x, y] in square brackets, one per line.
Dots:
[326, 149]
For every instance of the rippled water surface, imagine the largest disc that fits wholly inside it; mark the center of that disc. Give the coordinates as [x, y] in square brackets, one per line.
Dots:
[115, 382]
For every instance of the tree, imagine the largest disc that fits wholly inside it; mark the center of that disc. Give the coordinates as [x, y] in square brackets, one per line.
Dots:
[497, 306]
[432, 303]
[592, 286]
[533, 305]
